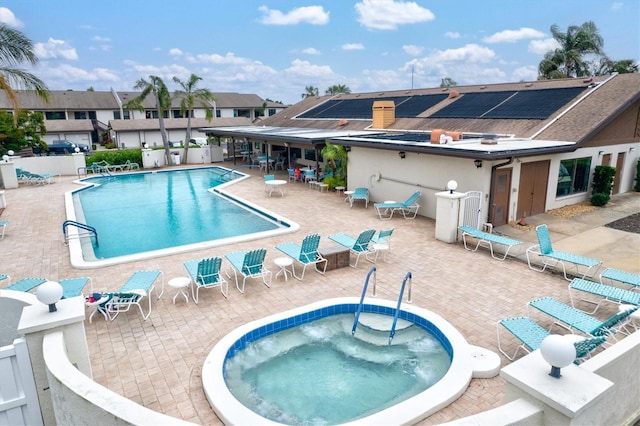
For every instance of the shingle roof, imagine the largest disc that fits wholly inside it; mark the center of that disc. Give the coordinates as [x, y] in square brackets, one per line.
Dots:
[68, 126]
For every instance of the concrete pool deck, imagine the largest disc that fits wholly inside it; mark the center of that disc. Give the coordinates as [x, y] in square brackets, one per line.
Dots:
[158, 362]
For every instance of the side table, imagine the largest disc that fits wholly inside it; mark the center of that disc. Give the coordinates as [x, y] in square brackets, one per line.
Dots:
[348, 195]
[283, 263]
[380, 247]
[92, 302]
[180, 285]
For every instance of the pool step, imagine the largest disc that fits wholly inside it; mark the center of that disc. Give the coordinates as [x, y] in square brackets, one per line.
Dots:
[379, 322]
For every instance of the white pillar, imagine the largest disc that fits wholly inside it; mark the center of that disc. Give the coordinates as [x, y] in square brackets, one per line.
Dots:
[35, 322]
[447, 214]
[8, 176]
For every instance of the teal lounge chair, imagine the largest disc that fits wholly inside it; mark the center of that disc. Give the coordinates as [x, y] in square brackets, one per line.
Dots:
[623, 277]
[409, 208]
[140, 285]
[359, 194]
[488, 240]
[356, 246]
[3, 225]
[607, 293]
[306, 254]
[249, 264]
[5, 277]
[531, 336]
[205, 273]
[26, 284]
[383, 237]
[551, 257]
[571, 318]
[72, 287]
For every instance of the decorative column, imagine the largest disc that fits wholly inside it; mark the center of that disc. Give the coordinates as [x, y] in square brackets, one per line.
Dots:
[447, 213]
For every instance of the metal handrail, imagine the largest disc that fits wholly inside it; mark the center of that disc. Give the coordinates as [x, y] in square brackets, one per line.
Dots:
[79, 225]
[364, 291]
[392, 332]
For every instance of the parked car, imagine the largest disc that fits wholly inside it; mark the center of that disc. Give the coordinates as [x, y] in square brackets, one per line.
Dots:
[199, 141]
[62, 147]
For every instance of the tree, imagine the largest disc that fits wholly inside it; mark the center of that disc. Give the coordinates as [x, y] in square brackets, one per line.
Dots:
[448, 82]
[337, 88]
[335, 157]
[606, 66]
[568, 60]
[21, 130]
[15, 49]
[310, 91]
[162, 98]
[190, 96]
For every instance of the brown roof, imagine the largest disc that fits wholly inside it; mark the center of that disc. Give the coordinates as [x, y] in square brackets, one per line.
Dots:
[68, 126]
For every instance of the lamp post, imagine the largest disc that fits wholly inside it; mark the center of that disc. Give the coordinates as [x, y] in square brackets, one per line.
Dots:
[452, 185]
[49, 293]
[558, 352]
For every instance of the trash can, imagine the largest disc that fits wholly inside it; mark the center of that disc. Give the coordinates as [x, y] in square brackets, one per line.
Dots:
[176, 158]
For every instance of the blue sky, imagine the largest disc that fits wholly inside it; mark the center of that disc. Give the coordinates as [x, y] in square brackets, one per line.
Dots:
[275, 48]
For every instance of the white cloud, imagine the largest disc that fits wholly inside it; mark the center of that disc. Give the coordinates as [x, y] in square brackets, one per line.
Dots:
[55, 49]
[541, 47]
[7, 17]
[511, 36]
[101, 39]
[68, 73]
[307, 69]
[616, 5]
[452, 34]
[528, 73]
[389, 14]
[311, 51]
[314, 15]
[353, 46]
[466, 54]
[214, 58]
[175, 52]
[412, 50]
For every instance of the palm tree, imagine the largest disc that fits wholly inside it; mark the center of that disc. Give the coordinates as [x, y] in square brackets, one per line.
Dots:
[310, 91]
[161, 95]
[568, 60]
[448, 82]
[190, 96]
[15, 49]
[337, 88]
[336, 158]
[605, 66]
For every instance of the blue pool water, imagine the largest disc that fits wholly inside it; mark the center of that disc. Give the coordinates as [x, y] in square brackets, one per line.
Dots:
[146, 212]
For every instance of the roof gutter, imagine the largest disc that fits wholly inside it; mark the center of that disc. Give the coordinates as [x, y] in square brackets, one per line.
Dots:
[583, 97]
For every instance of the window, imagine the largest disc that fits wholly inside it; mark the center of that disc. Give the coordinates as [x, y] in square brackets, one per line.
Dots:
[116, 115]
[573, 176]
[272, 111]
[55, 115]
[80, 115]
[242, 113]
[178, 114]
[218, 113]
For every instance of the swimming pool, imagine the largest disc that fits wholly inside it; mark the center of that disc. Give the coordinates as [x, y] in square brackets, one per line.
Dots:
[150, 214]
[410, 410]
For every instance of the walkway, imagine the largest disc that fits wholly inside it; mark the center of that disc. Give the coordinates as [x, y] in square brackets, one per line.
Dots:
[157, 362]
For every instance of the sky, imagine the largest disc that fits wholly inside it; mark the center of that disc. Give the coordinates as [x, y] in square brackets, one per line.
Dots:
[276, 48]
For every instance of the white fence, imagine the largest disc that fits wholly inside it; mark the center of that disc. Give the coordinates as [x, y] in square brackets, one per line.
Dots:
[18, 398]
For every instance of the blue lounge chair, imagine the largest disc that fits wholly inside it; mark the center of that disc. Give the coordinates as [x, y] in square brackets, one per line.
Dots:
[359, 194]
[606, 292]
[570, 318]
[488, 240]
[409, 208]
[307, 254]
[141, 284]
[5, 277]
[205, 273]
[551, 257]
[383, 237]
[623, 277]
[356, 246]
[531, 336]
[249, 264]
[72, 287]
[3, 225]
[26, 284]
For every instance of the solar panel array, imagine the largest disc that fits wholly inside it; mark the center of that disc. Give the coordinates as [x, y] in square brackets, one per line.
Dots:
[511, 104]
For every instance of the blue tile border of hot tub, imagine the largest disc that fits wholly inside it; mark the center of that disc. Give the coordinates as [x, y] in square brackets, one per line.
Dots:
[317, 314]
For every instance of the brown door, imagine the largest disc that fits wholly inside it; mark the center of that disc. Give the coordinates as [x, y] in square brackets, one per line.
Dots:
[532, 194]
[606, 160]
[500, 191]
[618, 176]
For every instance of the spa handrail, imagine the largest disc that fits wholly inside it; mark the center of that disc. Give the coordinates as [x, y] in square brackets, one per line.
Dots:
[90, 229]
[364, 291]
[392, 332]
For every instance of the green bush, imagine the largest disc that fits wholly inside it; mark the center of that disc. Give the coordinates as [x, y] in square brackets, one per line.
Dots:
[602, 185]
[599, 199]
[637, 185]
[115, 157]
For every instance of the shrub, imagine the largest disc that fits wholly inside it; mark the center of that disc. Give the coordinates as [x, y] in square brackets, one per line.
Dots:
[637, 185]
[115, 157]
[599, 199]
[602, 185]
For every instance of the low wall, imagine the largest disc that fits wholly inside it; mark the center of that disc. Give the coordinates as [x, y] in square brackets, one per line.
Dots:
[56, 164]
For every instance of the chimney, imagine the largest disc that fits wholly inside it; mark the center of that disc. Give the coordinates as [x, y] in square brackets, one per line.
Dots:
[384, 114]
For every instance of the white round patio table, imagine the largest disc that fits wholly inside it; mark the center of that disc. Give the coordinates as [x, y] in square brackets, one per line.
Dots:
[283, 263]
[180, 285]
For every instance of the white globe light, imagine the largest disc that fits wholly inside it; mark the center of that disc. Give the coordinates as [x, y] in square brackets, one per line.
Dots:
[10, 152]
[452, 185]
[49, 293]
[558, 352]
[76, 149]
[5, 158]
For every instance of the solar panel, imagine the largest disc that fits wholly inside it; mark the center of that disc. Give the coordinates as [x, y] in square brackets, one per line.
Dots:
[416, 105]
[347, 108]
[535, 104]
[472, 105]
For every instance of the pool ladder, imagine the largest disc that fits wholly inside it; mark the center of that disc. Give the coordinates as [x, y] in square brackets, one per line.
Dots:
[91, 231]
[372, 271]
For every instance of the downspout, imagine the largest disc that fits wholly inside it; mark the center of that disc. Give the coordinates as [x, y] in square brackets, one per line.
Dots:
[493, 177]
